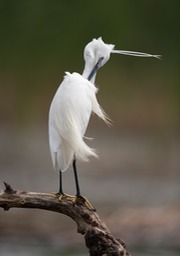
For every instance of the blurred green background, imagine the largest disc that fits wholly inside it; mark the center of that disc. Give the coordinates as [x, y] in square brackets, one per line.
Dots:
[139, 155]
[42, 39]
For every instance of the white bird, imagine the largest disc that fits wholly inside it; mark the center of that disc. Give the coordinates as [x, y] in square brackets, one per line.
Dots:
[71, 109]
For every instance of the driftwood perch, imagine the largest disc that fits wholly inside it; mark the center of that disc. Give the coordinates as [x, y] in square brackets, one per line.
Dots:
[98, 238]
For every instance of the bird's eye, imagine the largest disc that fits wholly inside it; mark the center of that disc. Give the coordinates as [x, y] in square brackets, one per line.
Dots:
[88, 54]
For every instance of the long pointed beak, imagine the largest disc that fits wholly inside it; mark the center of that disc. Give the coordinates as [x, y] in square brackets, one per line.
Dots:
[136, 54]
[95, 69]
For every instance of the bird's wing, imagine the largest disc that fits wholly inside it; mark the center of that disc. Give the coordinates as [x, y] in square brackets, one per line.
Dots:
[98, 110]
[68, 119]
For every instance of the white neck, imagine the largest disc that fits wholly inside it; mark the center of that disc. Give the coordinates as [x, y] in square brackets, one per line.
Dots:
[87, 71]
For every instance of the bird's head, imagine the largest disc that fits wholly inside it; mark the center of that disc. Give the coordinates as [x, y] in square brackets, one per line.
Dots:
[97, 53]
[96, 50]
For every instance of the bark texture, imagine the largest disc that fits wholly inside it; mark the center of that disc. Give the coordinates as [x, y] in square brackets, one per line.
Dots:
[98, 237]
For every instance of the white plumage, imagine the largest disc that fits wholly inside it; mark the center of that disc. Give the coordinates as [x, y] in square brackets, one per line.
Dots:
[69, 116]
[72, 106]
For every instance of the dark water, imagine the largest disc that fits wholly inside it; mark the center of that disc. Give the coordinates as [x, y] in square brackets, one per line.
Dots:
[12, 248]
[142, 180]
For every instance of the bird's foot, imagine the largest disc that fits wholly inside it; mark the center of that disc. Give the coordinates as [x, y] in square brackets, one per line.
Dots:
[83, 200]
[62, 196]
[65, 196]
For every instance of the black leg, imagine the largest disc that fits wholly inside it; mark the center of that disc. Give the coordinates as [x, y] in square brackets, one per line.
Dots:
[79, 198]
[60, 184]
[76, 178]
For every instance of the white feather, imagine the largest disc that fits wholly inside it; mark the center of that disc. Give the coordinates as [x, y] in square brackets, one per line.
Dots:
[73, 104]
[69, 116]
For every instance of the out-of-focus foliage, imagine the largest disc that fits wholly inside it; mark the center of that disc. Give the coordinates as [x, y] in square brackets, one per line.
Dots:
[136, 181]
[40, 39]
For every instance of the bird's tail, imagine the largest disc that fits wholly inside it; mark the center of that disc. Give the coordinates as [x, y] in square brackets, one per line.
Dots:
[81, 149]
[99, 111]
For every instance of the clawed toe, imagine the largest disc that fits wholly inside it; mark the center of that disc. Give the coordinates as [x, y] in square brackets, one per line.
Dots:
[78, 199]
[64, 196]
[83, 200]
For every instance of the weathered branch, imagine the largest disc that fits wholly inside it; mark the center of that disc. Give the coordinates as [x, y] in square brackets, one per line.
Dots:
[98, 238]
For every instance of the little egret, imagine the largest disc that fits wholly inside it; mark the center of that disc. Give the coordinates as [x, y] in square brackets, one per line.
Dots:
[71, 109]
